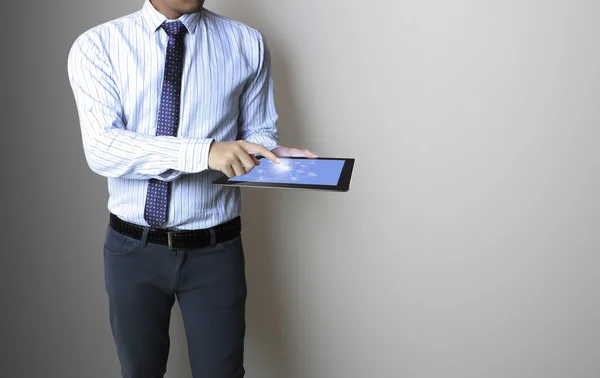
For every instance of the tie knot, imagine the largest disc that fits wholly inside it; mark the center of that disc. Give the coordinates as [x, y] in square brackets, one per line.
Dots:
[174, 29]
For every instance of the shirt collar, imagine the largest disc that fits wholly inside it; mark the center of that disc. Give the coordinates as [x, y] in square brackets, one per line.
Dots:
[155, 19]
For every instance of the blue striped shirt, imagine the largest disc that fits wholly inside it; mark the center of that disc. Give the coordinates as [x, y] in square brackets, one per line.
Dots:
[116, 71]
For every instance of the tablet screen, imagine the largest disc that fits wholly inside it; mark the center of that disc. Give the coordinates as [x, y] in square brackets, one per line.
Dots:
[295, 171]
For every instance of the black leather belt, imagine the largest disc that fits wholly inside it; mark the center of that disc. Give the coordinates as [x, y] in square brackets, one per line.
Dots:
[180, 239]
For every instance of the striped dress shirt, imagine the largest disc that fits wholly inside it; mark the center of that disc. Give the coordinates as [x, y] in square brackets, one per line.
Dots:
[116, 74]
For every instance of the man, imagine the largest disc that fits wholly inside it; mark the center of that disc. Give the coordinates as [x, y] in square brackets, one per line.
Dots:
[168, 98]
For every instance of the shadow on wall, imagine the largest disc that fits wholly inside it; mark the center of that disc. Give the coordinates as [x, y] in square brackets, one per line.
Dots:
[268, 349]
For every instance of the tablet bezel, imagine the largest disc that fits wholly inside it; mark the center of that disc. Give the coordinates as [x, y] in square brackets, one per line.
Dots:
[343, 184]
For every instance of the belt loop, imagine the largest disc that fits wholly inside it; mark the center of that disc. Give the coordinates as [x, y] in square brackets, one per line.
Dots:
[213, 236]
[145, 235]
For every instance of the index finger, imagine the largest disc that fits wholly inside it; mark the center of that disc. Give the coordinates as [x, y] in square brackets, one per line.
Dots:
[254, 148]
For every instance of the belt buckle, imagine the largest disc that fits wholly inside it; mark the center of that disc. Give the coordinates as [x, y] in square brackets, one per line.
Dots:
[170, 239]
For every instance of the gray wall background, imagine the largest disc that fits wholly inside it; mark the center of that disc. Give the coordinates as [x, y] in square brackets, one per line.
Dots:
[467, 246]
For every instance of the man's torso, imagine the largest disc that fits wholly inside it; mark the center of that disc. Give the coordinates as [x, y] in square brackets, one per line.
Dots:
[219, 61]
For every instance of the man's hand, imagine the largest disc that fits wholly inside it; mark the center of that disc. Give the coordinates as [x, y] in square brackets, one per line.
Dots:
[293, 152]
[237, 158]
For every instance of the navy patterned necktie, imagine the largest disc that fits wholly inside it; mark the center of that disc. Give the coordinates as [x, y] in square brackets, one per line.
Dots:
[157, 198]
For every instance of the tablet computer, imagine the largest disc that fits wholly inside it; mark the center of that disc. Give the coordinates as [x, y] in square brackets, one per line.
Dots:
[322, 173]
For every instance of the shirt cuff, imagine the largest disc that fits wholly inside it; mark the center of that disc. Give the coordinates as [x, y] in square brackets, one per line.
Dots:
[193, 155]
[169, 175]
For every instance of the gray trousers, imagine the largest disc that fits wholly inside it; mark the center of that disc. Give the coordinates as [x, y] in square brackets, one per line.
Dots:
[144, 279]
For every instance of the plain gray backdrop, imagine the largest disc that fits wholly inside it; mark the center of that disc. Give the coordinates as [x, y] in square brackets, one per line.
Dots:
[466, 247]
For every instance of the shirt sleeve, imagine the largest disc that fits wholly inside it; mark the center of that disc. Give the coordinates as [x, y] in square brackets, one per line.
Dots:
[110, 149]
[258, 117]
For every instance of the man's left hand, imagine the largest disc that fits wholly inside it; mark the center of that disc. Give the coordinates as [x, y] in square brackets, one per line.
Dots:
[293, 152]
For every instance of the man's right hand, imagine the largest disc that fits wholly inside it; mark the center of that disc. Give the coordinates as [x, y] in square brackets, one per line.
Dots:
[237, 158]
